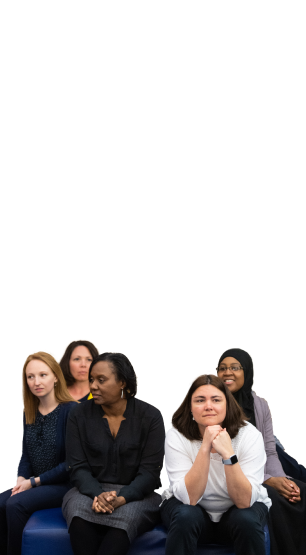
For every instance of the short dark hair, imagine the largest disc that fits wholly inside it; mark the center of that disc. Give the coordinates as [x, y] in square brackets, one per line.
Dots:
[123, 370]
[182, 419]
[64, 363]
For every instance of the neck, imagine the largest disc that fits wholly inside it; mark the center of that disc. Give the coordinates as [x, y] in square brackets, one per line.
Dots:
[116, 409]
[79, 389]
[47, 404]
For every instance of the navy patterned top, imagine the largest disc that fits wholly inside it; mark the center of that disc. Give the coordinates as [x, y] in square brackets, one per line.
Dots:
[58, 474]
[41, 441]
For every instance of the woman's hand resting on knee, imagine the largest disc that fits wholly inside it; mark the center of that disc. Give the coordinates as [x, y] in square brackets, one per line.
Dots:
[23, 485]
[107, 502]
[286, 487]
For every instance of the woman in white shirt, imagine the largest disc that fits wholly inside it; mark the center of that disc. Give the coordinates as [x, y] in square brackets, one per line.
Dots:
[215, 463]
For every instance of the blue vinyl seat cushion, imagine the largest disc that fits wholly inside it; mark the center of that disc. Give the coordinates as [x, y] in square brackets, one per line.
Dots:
[46, 534]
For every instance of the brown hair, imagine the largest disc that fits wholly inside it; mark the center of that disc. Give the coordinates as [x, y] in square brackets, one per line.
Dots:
[182, 419]
[30, 401]
[65, 360]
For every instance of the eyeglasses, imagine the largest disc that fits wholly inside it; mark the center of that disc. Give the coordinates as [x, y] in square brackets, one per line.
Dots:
[233, 367]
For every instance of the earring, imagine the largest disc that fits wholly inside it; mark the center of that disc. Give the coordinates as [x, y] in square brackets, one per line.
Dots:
[192, 417]
[122, 393]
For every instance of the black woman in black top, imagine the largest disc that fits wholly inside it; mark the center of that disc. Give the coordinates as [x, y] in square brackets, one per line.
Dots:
[115, 449]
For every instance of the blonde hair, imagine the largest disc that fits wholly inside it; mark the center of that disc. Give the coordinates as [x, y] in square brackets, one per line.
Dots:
[61, 392]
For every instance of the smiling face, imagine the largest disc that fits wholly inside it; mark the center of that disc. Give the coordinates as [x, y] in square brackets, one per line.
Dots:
[208, 406]
[104, 387]
[40, 379]
[79, 363]
[231, 373]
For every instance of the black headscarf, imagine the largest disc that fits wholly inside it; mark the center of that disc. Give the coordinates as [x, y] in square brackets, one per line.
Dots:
[244, 395]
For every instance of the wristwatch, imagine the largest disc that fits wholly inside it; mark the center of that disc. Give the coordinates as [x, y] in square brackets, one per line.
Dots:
[232, 460]
[33, 483]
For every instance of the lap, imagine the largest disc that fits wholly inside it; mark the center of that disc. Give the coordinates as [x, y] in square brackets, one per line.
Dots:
[35, 499]
[188, 519]
[174, 509]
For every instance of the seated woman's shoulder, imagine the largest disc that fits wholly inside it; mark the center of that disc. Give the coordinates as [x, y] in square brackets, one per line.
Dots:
[259, 402]
[141, 408]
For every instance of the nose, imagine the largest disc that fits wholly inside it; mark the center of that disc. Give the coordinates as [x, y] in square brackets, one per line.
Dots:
[93, 385]
[36, 380]
[208, 405]
[83, 363]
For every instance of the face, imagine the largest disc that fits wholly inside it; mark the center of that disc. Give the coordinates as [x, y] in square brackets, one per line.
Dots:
[208, 406]
[104, 387]
[79, 363]
[231, 373]
[40, 378]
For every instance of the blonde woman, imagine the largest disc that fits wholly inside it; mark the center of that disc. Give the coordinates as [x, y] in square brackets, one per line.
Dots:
[42, 477]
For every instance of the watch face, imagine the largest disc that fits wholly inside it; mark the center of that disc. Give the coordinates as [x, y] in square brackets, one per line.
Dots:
[234, 459]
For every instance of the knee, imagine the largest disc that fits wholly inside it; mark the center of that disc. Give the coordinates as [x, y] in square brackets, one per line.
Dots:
[248, 522]
[187, 517]
[14, 504]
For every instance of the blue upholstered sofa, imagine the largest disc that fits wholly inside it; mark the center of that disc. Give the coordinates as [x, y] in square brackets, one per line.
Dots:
[46, 534]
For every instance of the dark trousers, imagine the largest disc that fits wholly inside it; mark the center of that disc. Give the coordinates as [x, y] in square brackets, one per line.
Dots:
[291, 467]
[15, 512]
[190, 525]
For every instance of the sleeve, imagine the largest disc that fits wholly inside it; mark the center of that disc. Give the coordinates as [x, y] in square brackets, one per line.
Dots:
[178, 463]
[252, 458]
[273, 466]
[147, 478]
[77, 463]
[25, 467]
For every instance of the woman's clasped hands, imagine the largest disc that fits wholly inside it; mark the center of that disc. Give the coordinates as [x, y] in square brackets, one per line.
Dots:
[217, 438]
[107, 502]
[286, 487]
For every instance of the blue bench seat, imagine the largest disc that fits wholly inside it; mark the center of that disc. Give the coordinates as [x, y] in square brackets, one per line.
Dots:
[46, 534]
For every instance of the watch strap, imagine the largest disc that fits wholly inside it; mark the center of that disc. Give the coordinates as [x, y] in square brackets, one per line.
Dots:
[33, 483]
[232, 460]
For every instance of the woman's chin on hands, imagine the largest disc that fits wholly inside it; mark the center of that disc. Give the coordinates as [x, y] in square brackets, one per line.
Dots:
[223, 445]
[211, 432]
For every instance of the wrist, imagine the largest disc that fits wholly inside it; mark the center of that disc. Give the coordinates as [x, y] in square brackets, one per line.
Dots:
[227, 454]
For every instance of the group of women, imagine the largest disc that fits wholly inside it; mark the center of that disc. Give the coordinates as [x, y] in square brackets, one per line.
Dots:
[93, 448]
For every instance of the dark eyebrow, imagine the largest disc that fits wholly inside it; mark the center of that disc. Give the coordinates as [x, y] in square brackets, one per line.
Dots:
[213, 397]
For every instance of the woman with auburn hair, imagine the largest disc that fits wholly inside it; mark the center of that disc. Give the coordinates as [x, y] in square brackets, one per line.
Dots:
[75, 365]
[215, 463]
[287, 516]
[42, 477]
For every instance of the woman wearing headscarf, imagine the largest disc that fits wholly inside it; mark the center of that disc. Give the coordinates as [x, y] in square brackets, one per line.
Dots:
[287, 516]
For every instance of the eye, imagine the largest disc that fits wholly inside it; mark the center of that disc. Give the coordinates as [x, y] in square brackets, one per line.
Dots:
[101, 380]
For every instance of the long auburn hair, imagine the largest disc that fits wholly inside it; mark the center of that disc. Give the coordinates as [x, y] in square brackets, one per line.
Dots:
[61, 392]
[182, 419]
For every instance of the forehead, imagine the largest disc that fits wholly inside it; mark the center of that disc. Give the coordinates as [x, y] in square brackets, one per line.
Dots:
[37, 366]
[102, 367]
[208, 391]
[229, 360]
[81, 351]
